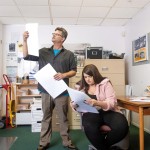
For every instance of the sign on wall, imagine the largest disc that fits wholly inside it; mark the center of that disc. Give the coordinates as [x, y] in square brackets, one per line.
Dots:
[140, 50]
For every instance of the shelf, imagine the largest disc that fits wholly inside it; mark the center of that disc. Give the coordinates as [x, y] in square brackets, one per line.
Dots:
[28, 96]
[19, 84]
[23, 110]
[24, 97]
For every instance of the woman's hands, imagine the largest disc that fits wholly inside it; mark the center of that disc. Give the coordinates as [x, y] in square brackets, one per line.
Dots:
[91, 102]
[73, 105]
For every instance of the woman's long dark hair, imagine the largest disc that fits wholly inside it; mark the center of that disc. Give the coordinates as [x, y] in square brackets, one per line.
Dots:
[90, 70]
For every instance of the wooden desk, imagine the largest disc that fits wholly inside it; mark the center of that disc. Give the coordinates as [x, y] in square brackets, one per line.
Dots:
[143, 108]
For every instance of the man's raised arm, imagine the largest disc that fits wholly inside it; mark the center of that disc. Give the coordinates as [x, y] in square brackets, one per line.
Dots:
[25, 45]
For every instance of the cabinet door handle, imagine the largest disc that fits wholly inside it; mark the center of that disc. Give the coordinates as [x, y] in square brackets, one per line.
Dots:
[105, 69]
[78, 76]
[38, 121]
[38, 109]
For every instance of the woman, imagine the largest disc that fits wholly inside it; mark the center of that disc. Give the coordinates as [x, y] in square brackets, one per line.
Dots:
[103, 97]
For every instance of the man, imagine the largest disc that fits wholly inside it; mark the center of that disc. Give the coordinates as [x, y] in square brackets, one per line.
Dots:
[63, 61]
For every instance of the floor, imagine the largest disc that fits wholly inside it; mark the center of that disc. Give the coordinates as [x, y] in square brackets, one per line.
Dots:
[6, 142]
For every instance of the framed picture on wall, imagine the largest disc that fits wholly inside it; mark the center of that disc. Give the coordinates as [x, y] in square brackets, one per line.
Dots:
[140, 50]
[12, 47]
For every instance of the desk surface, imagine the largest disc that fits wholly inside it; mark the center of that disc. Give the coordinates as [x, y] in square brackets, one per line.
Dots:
[126, 100]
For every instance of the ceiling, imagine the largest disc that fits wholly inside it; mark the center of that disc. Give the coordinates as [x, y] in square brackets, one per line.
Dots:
[70, 12]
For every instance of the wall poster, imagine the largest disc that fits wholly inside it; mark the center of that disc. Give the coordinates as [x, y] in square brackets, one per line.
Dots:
[140, 50]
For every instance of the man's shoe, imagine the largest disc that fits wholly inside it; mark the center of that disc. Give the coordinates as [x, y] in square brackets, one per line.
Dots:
[41, 147]
[71, 147]
[115, 148]
[91, 147]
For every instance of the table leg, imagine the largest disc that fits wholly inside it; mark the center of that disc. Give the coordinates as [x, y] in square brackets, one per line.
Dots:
[141, 128]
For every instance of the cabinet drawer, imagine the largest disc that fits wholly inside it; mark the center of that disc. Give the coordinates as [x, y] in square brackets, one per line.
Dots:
[75, 127]
[120, 90]
[23, 118]
[75, 79]
[107, 65]
[72, 84]
[75, 114]
[76, 122]
[36, 115]
[36, 126]
[75, 118]
[78, 75]
[116, 79]
[36, 108]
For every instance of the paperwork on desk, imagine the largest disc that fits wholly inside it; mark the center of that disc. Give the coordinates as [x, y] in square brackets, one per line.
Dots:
[45, 77]
[140, 99]
[78, 98]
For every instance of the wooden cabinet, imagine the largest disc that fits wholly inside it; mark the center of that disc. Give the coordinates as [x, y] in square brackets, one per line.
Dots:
[24, 98]
[74, 117]
[114, 69]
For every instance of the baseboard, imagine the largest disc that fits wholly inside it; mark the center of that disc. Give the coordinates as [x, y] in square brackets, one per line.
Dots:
[137, 125]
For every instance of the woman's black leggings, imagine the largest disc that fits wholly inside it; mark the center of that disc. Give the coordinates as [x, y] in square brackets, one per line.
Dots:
[115, 120]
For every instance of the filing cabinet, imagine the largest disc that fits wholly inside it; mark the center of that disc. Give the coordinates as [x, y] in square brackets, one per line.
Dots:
[74, 117]
[114, 69]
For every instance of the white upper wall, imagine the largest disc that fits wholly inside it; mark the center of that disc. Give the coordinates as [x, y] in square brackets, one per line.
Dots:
[110, 38]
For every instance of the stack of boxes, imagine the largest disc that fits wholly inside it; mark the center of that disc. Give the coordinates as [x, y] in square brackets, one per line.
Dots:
[36, 114]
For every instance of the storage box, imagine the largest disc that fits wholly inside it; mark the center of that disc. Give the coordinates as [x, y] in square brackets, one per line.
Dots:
[36, 114]
[34, 92]
[22, 92]
[25, 81]
[23, 118]
[32, 81]
[94, 52]
[36, 126]
[23, 106]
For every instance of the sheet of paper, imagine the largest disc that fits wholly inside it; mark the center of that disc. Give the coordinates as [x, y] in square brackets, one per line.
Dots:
[140, 99]
[33, 41]
[79, 97]
[45, 77]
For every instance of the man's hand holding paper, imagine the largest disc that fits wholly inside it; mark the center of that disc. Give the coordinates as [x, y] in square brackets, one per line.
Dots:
[51, 80]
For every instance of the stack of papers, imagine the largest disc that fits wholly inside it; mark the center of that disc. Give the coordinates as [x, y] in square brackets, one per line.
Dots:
[140, 99]
[79, 98]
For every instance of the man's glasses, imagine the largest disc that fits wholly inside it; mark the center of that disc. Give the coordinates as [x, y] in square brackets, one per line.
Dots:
[57, 34]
